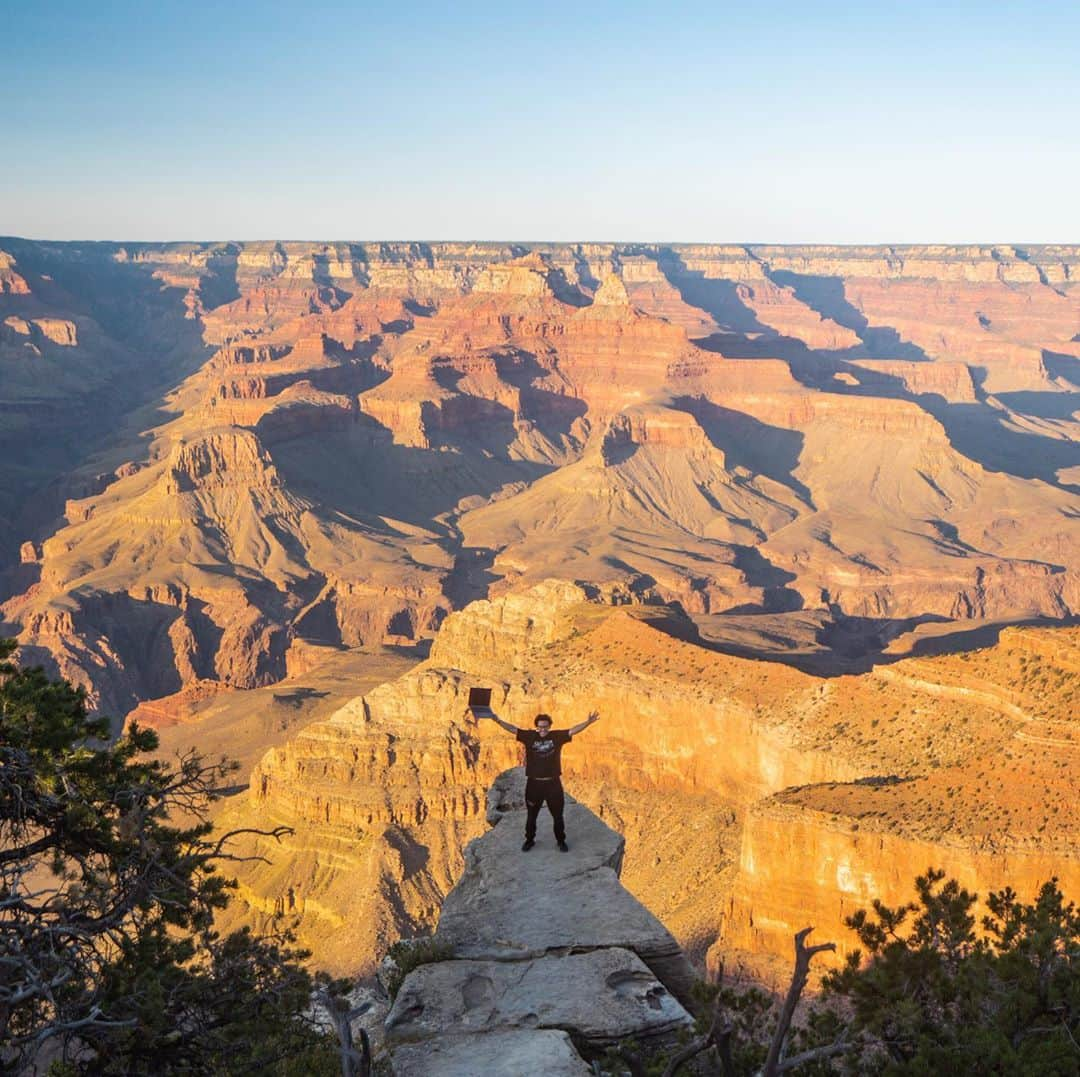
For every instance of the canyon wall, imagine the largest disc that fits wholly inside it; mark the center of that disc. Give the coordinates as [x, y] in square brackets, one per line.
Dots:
[756, 798]
[554, 466]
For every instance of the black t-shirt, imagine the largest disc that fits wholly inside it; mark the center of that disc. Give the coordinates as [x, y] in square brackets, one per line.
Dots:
[542, 753]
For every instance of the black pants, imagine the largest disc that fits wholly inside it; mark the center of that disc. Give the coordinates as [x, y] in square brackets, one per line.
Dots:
[536, 793]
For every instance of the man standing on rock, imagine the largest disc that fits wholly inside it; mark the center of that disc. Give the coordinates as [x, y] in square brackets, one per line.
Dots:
[543, 770]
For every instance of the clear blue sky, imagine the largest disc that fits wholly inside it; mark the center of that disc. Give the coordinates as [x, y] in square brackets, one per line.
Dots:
[779, 122]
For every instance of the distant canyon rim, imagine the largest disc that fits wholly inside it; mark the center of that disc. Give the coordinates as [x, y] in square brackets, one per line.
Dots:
[802, 522]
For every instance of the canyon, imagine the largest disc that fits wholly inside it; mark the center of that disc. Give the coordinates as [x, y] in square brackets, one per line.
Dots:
[802, 523]
[755, 798]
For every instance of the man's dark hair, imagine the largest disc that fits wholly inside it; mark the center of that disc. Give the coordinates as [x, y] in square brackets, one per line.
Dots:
[542, 718]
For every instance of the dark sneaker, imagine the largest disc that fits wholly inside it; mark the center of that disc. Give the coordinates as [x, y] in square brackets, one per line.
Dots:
[529, 843]
[563, 847]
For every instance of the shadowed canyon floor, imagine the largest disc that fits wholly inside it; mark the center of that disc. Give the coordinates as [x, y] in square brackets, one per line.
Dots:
[803, 522]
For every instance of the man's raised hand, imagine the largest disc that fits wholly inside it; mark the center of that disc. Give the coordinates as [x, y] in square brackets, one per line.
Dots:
[594, 716]
[511, 729]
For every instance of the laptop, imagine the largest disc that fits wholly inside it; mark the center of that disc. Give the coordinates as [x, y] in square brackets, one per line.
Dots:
[480, 702]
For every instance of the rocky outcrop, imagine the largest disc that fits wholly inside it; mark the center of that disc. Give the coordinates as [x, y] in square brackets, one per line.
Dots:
[705, 761]
[11, 281]
[539, 943]
[487, 915]
[59, 331]
[509, 1054]
[951, 381]
[504, 634]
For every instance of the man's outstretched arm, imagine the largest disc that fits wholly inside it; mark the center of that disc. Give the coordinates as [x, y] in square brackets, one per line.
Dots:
[511, 729]
[594, 716]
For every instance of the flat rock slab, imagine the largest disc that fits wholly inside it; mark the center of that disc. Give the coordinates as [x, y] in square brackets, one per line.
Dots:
[492, 1054]
[601, 997]
[510, 905]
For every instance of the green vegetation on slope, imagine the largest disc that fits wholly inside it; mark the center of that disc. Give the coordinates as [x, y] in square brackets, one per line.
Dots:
[109, 963]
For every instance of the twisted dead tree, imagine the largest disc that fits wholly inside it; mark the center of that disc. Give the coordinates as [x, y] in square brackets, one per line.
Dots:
[354, 1062]
[776, 1061]
[722, 1030]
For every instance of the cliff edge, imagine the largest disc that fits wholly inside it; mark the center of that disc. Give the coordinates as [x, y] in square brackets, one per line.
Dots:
[550, 957]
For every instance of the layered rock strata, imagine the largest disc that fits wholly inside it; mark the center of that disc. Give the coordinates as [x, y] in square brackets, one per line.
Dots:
[939, 760]
[815, 856]
[540, 943]
[885, 433]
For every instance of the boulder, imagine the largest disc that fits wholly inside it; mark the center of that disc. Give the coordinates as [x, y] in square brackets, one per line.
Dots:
[598, 997]
[509, 905]
[493, 1054]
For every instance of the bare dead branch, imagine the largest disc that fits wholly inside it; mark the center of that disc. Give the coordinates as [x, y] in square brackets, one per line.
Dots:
[354, 1063]
[720, 1026]
[799, 978]
[215, 850]
[830, 1050]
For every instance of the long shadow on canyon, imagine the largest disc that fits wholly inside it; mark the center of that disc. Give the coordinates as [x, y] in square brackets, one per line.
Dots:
[747, 442]
[827, 297]
[220, 286]
[1066, 367]
[977, 430]
[363, 474]
[855, 645]
[152, 345]
[743, 335]
[554, 414]
[715, 296]
[1042, 405]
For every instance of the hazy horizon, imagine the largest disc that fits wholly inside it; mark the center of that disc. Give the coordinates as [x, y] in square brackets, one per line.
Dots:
[512, 242]
[828, 123]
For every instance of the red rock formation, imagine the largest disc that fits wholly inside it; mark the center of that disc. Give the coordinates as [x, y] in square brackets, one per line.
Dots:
[422, 410]
[11, 282]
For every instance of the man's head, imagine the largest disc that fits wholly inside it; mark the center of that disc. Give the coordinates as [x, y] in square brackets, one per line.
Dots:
[543, 724]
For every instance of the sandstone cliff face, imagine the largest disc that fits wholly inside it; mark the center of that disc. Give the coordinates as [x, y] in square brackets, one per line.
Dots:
[801, 864]
[987, 795]
[875, 776]
[11, 281]
[58, 330]
[382, 799]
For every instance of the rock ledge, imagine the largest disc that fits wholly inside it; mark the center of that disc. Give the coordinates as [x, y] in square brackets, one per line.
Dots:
[551, 957]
